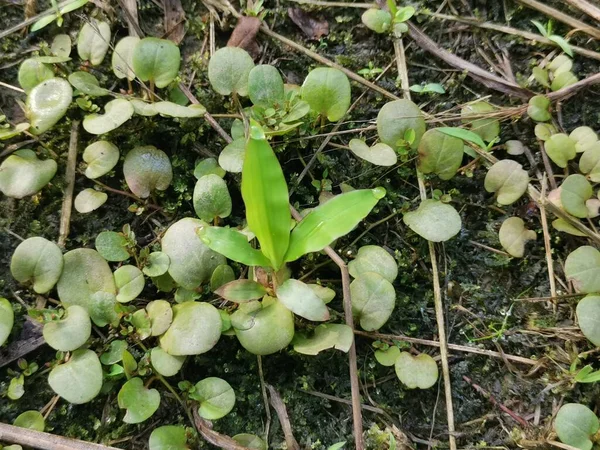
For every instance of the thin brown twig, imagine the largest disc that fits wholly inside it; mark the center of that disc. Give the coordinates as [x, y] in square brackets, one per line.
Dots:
[263, 389]
[282, 415]
[67, 206]
[204, 427]
[591, 10]
[547, 245]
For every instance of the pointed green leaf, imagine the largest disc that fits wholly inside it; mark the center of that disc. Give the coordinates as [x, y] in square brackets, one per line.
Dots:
[233, 245]
[240, 291]
[301, 300]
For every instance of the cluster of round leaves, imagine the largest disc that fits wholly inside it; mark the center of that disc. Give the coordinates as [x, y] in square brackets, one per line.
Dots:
[557, 74]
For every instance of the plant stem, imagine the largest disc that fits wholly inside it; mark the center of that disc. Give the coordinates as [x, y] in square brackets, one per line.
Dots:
[65, 215]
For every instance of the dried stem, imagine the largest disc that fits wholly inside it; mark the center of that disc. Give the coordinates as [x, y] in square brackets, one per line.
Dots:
[591, 10]
[67, 206]
[547, 245]
[284, 420]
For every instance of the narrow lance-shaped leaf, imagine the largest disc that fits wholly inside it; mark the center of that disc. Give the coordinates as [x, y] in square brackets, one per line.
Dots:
[329, 221]
[266, 197]
[233, 245]
[240, 291]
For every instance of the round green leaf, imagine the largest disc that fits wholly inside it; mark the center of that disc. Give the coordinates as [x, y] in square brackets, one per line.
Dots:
[575, 425]
[434, 221]
[71, 332]
[32, 73]
[32, 420]
[231, 157]
[301, 300]
[7, 319]
[222, 275]
[122, 57]
[327, 91]
[562, 63]
[216, 398]
[513, 236]
[165, 364]
[508, 180]
[377, 20]
[156, 60]
[87, 83]
[575, 191]
[250, 441]
[61, 45]
[440, 153]
[211, 198]
[112, 246]
[563, 80]
[192, 262]
[561, 149]
[398, 117]
[130, 283]
[38, 261]
[93, 41]
[22, 174]
[584, 138]
[372, 258]
[147, 169]
[80, 379]
[379, 154]
[324, 293]
[208, 166]
[139, 401]
[161, 316]
[195, 329]
[229, 69]
[265, 328]
[157, 264]
[325, 336]
[116, 113]
[387, 357]
[539, 108]
[89, 200]
[168, 437]
[101, 157]
[47, 103]
[102, 309]
[566, 227]
[582, 268]
[589, 163]
[373, 300]
[265, 86]
[487, 129]
[420, 371]
[515, 148]
[543, 131]
[85, 273]
[114, 353]
[588, 315]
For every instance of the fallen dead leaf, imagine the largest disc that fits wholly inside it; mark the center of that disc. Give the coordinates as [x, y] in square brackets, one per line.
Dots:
[313, 28]
[244, 35]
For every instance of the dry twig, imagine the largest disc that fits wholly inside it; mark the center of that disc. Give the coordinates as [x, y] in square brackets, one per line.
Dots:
[279, 407]
[67, 206]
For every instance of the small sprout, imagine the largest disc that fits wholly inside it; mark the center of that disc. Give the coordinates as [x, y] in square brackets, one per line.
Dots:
[377, 20]
[33, 72]
[372, 258]
[561, 149]
[241, 291]
[71, 332]
[395, 119]
[231, 157]
[160, 314]
[575, 191]
[589, 163]
[582, 268]
[428, 88]
[80, 379]
[584, 137]
[139, 402]
[147, 169]
[211, 198]
[326, 336]
[379, 154]
[84, 274]
[515, 148]
[156, 264]
[487, 129]
[250, 441]
[327, 91]
[47, 103]
[88, 84]
[32, 420]
[265, 87]
[229, 69]
[541, 76]
[112, 246]
[419, 371]
[61, 45]
[7, 319]
[22, 174]
[508, 180]
[513, 236]
[373, 300]
[93, 41]
[222, 275]
[141, 322]
[116, 113]
[38, 261]
[216, 398]
[196, 328]
[576, 425]
[387, 357]
[101, 157]
[168, 437]
[440, 153]
[301, 300]
[539, 108]
[89, 200]
[434, 221]
[192, 262]
[588, 315]
[130, 282]
[263, 327]
[47, 20]
[122, 57]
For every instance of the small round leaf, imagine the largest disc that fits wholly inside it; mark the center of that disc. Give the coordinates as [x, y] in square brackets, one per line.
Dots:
[80, 379]
[396, 118]
[122, 57]
[229, 69]
[147, 169]
[387, 357]
[165, 364]
[71, 332]
[434, 221]
[93, 41]
[196, 328]
[140, 402]
[216, 398]
[539, 108]
[231, 157]
[38, 261]
[89, 200]
[420, 371]
[156, 60]
[130, 283]
[575, 191]
[561, 149]
[575, 425]
[513, 236]
[265, 86]
[116, 113]
[508, 180]
[327, 91]
[112, 246]
[588, 315]
[22, 174]
[582, 268]
[379, 154]
[377, 20]
[440, 153]
[156, 264]
[160, 315]
[372, 258]
[7, 319]
[47, 103]
[32, 420]
[168, 437]
[32, 73]
[373, 300]
[101, 157]
[211, 198]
